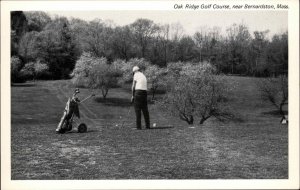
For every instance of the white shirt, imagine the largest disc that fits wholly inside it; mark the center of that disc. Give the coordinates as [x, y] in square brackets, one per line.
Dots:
[141, 81]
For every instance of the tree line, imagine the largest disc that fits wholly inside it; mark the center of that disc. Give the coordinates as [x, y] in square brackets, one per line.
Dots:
[45, 47]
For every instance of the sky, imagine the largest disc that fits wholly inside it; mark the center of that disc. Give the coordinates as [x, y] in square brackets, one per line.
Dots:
[192, 21]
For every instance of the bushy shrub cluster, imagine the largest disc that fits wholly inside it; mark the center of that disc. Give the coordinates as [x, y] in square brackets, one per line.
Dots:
[195, 92]
[30, 71]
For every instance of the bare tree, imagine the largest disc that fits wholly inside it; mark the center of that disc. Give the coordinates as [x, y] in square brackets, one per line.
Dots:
[164, 36]
[144, 29]
[176, 31]
[122, 42]
[275, 90]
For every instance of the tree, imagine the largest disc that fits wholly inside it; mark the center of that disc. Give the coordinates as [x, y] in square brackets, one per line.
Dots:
[199, 42]
[15, 67]
[186, 49]
[197, 93]
[34, 70]
[78, 31]
[176, 31]
[28, 71]
[81, 73]
[155, 77]
[258, 54]
[41, 69]
[144, 29]
[55, 46]
[37, 20]
[164, 37]
[28, 46]
[159, 46]
[275, 90]
[126, 68]
[97, 39]
[18, 28]
[122, 43]
[277, 55]
[95, 73]
[103, 76]
[238, 40]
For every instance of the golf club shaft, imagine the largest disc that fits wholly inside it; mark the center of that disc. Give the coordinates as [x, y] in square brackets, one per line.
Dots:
[126, 117]
[86, 98]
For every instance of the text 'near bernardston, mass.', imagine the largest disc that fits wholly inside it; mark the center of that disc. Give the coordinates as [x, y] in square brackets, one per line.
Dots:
[228, 7]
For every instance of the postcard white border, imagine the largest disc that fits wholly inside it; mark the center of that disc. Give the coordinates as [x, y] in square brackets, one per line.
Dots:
[7, 183]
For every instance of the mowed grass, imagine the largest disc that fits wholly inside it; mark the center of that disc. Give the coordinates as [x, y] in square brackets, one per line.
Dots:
[256, 148]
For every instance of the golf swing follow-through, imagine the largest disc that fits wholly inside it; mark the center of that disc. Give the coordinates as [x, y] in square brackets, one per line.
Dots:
[71, 110]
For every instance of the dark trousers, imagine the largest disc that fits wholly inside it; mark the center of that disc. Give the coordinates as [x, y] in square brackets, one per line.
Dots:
[140, 105]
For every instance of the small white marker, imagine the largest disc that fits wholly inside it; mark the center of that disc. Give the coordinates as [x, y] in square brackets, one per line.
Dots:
[154, 124]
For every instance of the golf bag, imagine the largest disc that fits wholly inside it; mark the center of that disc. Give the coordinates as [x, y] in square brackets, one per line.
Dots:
[70, 111]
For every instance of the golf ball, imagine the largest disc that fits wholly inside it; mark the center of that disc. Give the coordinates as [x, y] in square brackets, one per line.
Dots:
[154, 124]
[116, 125]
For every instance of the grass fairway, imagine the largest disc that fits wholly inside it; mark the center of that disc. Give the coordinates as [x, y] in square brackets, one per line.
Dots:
[256, 148]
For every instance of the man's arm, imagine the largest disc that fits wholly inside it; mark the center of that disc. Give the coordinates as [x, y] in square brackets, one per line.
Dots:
[133, 90]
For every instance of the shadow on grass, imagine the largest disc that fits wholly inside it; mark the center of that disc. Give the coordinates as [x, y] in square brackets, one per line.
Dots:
[119, 102]
[168, 127]
[75, 131]
[274, 113]
[23, 84]
[122, 102]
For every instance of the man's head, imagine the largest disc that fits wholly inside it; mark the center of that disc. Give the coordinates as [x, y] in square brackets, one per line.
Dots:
[135, 69]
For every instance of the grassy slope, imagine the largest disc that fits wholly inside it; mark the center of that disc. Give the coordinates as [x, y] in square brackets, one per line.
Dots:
[256, 148]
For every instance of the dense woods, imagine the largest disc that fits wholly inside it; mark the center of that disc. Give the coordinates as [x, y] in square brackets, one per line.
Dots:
[57, 43]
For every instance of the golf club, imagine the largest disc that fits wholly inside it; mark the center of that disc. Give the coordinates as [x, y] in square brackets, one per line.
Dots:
[87, 98]
[126, 116]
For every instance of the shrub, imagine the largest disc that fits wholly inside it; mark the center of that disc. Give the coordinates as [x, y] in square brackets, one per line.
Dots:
[41, 70]
[15, 67]
[197, 93]
[28, 71]
[35, 70]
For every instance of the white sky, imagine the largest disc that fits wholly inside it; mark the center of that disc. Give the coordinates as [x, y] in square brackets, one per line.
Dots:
[275, 21]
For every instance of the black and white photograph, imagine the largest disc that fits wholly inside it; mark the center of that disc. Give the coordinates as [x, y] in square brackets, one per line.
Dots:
[196, 91]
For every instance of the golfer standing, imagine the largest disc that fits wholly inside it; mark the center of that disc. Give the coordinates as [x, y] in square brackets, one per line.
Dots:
[139, 97]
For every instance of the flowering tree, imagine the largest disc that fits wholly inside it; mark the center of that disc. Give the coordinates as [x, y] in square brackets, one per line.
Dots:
[127, 68]
[96, 73]
[155, 77]
[197, 93]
